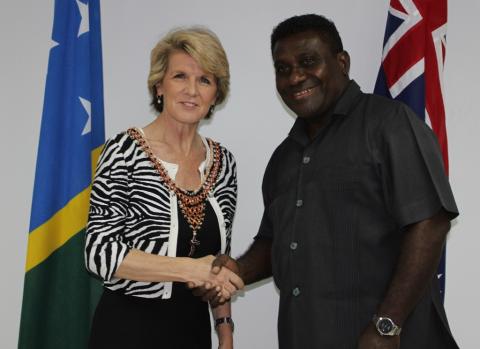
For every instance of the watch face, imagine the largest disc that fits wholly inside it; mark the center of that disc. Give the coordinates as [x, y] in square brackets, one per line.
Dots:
[385, 326]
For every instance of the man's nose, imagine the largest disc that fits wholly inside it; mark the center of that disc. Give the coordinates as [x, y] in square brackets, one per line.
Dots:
[297, 75]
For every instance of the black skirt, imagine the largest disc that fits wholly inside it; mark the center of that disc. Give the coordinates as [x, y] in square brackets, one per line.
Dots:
[181, 322]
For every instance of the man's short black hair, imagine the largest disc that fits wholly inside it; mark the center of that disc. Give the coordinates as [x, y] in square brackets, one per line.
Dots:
[299, 24]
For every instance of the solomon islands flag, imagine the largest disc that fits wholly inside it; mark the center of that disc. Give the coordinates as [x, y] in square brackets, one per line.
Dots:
[59, 295]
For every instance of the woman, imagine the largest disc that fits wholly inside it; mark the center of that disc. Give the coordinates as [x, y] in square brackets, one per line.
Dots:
[162, 205]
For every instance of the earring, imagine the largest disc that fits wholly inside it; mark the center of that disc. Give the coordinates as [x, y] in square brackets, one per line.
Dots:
[160, 102]
[210, 111]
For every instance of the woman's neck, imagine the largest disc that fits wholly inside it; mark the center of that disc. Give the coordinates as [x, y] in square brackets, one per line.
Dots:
[180, 136]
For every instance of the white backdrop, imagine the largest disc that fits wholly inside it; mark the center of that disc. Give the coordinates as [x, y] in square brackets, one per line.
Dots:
[251, 124]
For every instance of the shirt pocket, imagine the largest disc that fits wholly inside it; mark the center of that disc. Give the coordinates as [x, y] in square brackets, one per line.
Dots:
[333, 217]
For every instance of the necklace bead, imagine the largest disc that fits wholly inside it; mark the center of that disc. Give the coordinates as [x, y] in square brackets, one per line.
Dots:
[192, 204]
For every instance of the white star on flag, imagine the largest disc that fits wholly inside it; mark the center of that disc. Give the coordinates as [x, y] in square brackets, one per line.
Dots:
[53, 44]
[84, 23]
[88, 108]
[439, 276]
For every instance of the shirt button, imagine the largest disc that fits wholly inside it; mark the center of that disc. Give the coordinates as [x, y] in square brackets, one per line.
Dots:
[306, 159]
[299, 203]
[296, 291]
[293, 245]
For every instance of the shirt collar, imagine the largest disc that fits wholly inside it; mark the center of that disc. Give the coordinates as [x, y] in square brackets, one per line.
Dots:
[342, 107]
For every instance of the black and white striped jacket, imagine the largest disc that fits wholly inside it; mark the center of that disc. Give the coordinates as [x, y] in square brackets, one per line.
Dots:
[130, 207]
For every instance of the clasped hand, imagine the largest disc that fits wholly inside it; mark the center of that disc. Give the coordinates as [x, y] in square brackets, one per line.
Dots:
[219, 266]
[219, 282]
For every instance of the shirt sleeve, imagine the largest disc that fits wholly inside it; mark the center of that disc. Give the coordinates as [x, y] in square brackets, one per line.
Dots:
[412, 170]
[104, 247]
[229, 193]
[266, 227]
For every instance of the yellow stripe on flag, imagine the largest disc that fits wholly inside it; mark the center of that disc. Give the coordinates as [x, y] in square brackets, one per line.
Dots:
[51, 235]
[63, 225]
[95, 154]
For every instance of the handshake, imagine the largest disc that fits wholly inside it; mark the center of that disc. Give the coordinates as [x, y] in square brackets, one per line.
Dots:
[216, 279]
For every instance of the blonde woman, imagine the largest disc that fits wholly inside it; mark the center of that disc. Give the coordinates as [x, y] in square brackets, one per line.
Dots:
[162, 205]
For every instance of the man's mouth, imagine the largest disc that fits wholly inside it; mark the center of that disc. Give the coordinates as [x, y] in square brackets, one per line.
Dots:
[303, 93]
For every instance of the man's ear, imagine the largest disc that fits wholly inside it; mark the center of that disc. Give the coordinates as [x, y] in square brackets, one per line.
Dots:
[343, 59]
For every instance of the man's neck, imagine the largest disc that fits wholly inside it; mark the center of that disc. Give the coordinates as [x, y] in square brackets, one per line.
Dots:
[314, 125]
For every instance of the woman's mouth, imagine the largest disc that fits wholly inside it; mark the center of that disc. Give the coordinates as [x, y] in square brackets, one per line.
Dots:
[189, 104]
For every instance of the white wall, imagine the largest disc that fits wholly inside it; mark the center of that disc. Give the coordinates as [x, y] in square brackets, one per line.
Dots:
[251, 124]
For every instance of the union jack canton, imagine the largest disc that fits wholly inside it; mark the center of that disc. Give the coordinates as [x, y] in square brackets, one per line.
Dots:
[412, 67]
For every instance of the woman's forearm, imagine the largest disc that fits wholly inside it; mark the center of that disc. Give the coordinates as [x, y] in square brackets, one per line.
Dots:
[225, 330]
[142, 266]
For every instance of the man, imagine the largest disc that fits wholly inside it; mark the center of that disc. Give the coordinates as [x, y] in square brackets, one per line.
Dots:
[357, 208]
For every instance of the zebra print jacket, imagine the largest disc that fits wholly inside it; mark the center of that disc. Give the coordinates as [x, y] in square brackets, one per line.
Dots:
[130, 207]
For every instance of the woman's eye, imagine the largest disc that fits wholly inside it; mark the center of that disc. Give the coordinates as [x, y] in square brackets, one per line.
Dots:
[179, 76]
[205, 80]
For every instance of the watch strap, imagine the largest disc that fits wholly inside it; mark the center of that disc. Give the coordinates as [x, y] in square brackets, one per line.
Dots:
[224, 320]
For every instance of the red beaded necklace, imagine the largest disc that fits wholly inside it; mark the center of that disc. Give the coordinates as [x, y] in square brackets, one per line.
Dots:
[192, 204]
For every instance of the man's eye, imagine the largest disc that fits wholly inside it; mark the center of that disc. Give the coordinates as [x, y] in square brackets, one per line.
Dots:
[306, 62]
[281, 69]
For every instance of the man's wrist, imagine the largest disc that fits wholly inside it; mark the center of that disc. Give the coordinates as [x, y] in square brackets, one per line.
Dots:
[385, 326]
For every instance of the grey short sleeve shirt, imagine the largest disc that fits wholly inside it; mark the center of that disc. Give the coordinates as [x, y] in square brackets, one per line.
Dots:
[336, 207]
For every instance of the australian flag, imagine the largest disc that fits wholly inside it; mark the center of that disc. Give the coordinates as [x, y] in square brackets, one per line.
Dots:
[412, 66]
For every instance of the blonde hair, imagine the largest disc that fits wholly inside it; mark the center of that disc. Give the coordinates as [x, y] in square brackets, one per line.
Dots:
[202, 45]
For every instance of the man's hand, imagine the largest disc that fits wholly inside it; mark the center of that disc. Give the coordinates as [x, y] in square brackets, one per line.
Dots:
[223, 283]
[371, 339]
[225, 261]
[223, 264]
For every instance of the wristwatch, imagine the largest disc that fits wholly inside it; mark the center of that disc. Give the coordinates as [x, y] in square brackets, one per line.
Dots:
[385, 326]
[224, 320]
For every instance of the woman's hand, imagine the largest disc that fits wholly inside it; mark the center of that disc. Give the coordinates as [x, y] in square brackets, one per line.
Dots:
[231, 283]
[199, 271]
[225, 282]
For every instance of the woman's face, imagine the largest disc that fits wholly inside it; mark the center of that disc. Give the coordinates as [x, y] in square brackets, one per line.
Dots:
[188, 91]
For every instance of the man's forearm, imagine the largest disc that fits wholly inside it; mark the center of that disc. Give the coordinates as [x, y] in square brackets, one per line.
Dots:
[255, 264]
[421, 251]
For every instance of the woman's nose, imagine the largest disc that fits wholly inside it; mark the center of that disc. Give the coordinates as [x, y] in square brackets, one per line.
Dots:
[192, 88]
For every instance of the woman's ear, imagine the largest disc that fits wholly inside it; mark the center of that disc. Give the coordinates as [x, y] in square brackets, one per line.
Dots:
[158, 88]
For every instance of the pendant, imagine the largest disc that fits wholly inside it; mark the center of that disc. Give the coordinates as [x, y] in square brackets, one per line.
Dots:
[193, 243]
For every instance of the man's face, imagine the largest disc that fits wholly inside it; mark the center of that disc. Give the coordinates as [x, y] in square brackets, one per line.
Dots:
[309, 77]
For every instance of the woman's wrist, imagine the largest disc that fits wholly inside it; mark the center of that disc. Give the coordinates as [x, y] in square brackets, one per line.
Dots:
[224, 321]
[224, 327]
[225, 334]
[186, 268]
[194, 270]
